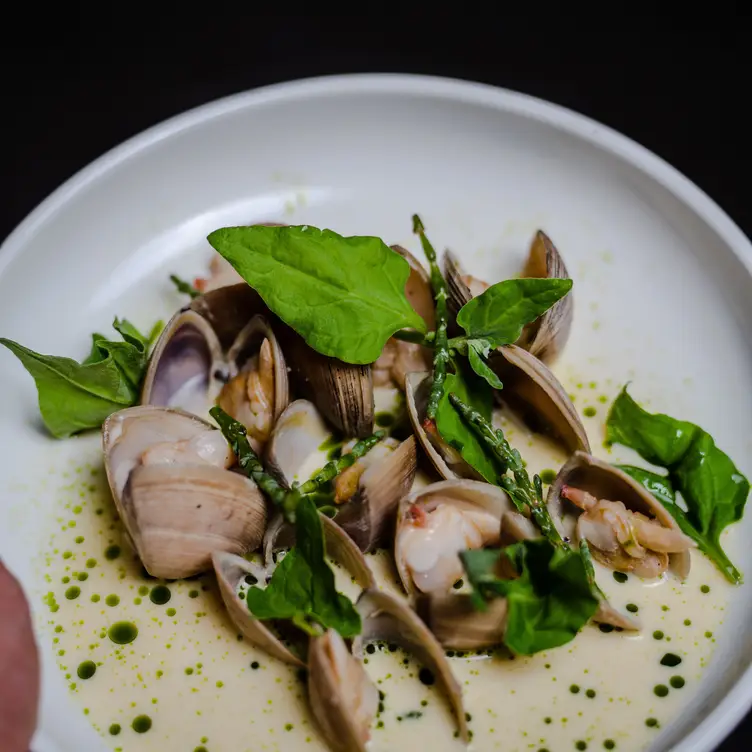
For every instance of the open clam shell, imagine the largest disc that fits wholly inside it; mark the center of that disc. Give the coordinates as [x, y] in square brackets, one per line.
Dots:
[471, 518]
[533, 392]
[178, 503]
[604, 481]
[343, 698]
[230, 571]
[544, 338]
[386, 618]
[386, 473]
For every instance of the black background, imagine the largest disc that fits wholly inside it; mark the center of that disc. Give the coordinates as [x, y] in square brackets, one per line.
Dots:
[679, 85]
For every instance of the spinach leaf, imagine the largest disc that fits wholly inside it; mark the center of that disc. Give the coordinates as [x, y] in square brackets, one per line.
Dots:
[344, 295]
[475, 392]
[73, 396]
[659, 485]
[713, 489]
[302, 587]
[547, 604]
[500, 312]
[477, 352]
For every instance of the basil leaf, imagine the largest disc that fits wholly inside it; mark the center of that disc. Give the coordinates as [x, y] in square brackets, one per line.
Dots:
[500, 312]
[476, 393]
[344, 295]
[547, 604]
[713, 489]
[302, 587]
[73, 396]
[477, 351]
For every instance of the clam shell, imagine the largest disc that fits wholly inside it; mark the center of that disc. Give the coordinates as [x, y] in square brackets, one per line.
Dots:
[481, 495]
[183, 364]
[418, 290]
[343, 698]
[546, 337]
[178, 515]
[457, 625]
[230, 570]
[532, 391]
[388, 618]
[458, 291]
[605, 481]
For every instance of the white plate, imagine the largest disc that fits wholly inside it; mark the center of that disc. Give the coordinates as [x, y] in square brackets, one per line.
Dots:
[669, 272]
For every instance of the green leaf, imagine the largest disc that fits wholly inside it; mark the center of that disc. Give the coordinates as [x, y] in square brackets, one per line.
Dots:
[500, 312]
[73, 396]
[658, 485]
[713, 489]
[658, 439]
[302, 587]
[547, 604]
[477, 351]
[476, 393]
[184, 287]
[344, 295]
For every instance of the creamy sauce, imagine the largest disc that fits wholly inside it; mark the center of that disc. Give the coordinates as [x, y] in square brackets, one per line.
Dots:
[170, 672]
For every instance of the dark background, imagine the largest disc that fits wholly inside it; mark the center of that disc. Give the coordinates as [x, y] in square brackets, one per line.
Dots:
[683, 93]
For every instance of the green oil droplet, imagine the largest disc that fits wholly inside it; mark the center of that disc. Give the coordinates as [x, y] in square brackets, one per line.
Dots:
[589, 412]
[122, 632]
[73, 592]
[112, 599]
[115, 729]
[160, 594]
[112, 552]
[171, 612]
[621, 577]
[91, 563]
[86, 670]
[660, 690]
[671, 660]
[705, 589]
[548, 476]
[677, 682]
[632, 608]
[141, 724]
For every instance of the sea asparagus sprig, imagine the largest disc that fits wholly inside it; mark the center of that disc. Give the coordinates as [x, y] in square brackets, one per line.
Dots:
[441, 347]
[237, 437]
[332, 469]
[185, 287]
[521, 490]
[286, 500]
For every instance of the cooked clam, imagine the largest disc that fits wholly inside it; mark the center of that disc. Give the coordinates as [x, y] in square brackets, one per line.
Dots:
[365, 494]
[435, 523]
[231, 570]
[626, 528]
[544, 338]
[178, 503]
[531, 391]
[189, 369]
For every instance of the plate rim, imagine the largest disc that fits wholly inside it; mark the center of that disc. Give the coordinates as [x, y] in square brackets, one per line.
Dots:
[722, 720]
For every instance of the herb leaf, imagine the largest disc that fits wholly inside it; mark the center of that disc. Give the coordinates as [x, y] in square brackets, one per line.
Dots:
[477, 352]
[302, 587]
[184, 287]
[475, 392]
[659, 485]
[500, 312]
[344, 295]
[73, 396]
[547, 604]
[713, 489]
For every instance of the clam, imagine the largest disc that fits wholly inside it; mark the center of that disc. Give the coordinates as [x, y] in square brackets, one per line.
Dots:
[189, 368]
[435, 523]
[626, 528]
[530, 390]
[178, 502]
[343, 698]
[231, 570]
[390, 619]
[365, 494]
[544, 338]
